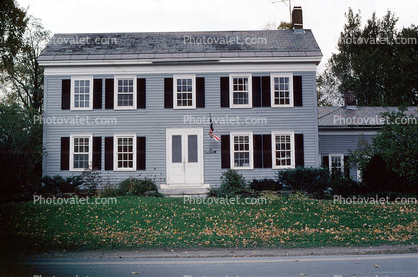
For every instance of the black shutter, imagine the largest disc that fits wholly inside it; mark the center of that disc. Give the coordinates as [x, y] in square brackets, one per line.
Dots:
[224, 92]
[297, 91]
[325, 162]
[267, 151]
[140, 151]
[65, 97]
[65, 153]
[200, 92]
[97, 93]
[299, 153]
[109, 83]
[256, 91]
[225, 152]
[258, 151]
[346, 167]
[109, 153]
[168, 93]
[140, 93]
[97, 153]
[265, 91]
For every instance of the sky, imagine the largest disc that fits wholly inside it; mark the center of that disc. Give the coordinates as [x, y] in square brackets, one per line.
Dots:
[325, 18]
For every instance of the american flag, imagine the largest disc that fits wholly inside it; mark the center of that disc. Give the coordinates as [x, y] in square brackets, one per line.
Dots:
[211, 134]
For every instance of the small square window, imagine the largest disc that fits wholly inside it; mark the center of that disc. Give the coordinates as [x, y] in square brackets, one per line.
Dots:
[336, 164]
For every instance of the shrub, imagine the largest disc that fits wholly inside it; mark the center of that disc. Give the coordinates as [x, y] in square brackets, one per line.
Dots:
[133, 186]
[377, 176]
[212, 192]
[347, 187]
[58, 184]
[91, 179]
[109, 190]
[265, 184]
[312, 180]
[233, 184]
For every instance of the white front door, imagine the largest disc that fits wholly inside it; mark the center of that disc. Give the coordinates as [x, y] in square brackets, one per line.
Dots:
[184, 156]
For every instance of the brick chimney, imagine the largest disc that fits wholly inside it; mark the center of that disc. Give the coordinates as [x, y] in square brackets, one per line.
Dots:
[297, 20]
[350, 99]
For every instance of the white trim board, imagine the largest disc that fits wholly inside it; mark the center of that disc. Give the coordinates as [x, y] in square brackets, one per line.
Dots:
[181, 62]
[114, 69]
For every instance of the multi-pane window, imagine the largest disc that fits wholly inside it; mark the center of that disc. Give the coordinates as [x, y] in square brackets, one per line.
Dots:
[81, 151]
[242, 154]
[336, 164]
[282, 90]
[81, 93]
[125, 152]
[184, 92]
[240, 91]
[125, 96]
[283, 150]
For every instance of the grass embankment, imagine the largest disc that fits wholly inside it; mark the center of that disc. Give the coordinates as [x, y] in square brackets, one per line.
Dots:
[140, 222]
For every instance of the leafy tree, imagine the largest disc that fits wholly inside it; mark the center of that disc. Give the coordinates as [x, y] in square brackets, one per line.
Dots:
[21, 82]
[377, 61]
[12, 26]
[21, 151]
[271, 25]
[22, 76]
[285, 25]
[396, 143]
[327, 95]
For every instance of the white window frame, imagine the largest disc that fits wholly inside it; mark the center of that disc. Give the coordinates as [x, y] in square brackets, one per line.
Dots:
[231, 92]
[330, 162]
[72, 137]
[184, 76]
[115, 152]
[251, 149]
[292, 148]
[115, 92]
[72, 94]
[284, 75]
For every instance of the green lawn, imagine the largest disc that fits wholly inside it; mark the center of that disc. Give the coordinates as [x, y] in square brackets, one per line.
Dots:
[139, 222]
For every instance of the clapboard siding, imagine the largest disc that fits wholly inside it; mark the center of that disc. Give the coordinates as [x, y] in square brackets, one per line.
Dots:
[153, 121]
[340, 144]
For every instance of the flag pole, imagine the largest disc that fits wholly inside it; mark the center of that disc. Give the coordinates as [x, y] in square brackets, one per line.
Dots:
[210, 139]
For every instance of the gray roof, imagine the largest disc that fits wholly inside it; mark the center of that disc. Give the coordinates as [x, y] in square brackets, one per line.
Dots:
[360, 117]
[224, 44]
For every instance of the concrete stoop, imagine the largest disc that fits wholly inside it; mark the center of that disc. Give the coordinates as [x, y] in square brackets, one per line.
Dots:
[181, 191]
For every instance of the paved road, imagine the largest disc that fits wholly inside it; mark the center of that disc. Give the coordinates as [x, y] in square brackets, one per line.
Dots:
[314, 266]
